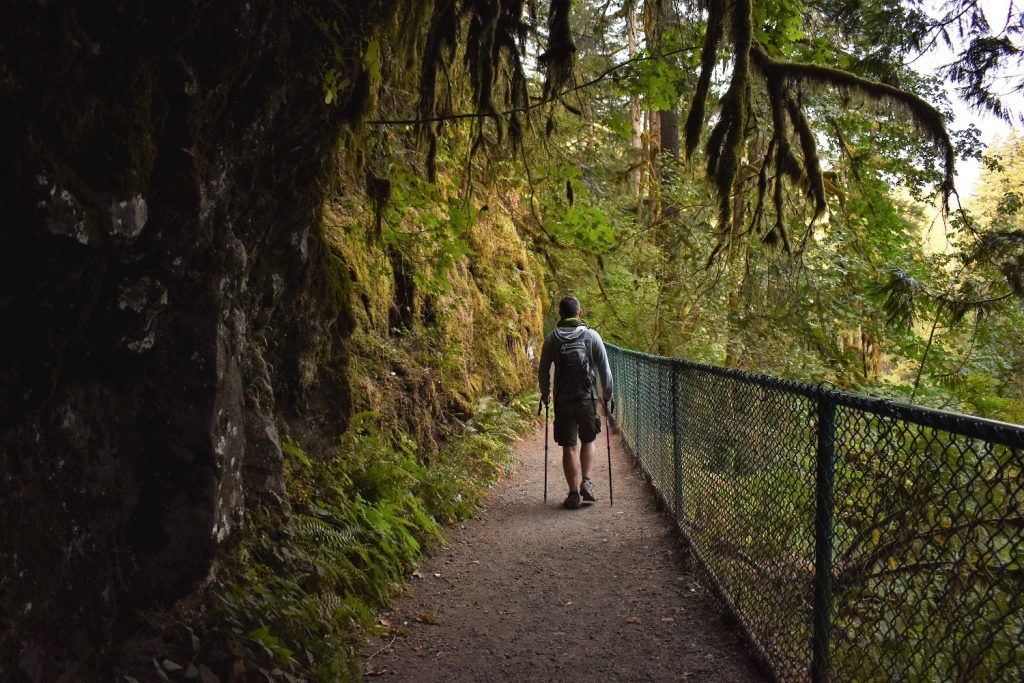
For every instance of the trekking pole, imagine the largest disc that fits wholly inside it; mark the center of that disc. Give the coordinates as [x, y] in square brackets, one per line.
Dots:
[608, 440]
[545, 448]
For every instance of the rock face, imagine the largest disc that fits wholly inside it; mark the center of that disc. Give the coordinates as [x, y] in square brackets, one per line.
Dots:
[165, 298]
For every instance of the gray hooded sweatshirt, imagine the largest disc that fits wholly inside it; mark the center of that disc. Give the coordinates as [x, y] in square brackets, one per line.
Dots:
[567, 330]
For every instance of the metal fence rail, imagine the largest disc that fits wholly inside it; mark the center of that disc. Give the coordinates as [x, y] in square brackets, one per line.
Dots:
[854, 539]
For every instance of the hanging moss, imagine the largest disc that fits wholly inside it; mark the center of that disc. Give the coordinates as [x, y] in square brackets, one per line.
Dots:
[557, 60]
[809, 148]
[925, 116]
[725, 143]
[493, 39]
[708, 59]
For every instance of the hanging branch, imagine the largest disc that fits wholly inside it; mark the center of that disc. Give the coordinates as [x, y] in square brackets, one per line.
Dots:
[708, 59]
[762, 190]
[927, 118]
[557, 60]
[494, 33]
[809, 148]
[725, 144]
[440, 45]
[785, 162]
[538, 101]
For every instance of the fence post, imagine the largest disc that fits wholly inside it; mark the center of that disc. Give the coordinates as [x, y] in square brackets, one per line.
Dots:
[677, 448]
[824, 479]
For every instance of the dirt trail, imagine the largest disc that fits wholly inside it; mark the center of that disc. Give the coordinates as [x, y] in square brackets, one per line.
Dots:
[534, 593]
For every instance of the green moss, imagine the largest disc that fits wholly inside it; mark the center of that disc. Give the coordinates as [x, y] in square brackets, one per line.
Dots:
[423, 444]
[303, 586]
[473, 306]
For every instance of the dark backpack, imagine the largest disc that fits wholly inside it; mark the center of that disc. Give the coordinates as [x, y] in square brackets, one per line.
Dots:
[572, 370]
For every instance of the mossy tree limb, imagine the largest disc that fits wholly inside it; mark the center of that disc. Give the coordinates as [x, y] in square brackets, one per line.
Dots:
[708, 59]
[494, 38]
[725, 146]
[924, 115]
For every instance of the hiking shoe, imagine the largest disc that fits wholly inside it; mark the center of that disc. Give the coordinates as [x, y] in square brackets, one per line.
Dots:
[572, 501]
[587, 490]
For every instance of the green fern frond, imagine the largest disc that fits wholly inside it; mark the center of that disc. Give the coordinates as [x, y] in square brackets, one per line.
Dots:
[323, 533]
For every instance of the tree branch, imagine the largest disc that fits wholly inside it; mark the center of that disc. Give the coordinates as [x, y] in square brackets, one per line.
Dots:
[541, 101]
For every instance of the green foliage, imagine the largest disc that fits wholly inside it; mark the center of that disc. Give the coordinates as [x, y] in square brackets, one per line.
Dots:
[779, 26]
[874, 300]
[440, 238]
[304, 583]
[658, 80]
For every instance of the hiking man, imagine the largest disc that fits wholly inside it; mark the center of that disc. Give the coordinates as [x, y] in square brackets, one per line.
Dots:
[577, 352]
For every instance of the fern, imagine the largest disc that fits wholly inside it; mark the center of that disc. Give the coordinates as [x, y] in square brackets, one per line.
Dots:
[319, 531]
[304, 587]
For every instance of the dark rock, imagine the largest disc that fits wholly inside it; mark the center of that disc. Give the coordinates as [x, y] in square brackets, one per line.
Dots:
[165, 299]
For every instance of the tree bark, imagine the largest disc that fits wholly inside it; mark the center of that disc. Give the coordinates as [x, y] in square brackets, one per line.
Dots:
[635, 118]
[670, 133]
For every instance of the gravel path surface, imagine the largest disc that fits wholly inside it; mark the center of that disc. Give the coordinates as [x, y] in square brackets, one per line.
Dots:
[533, 593]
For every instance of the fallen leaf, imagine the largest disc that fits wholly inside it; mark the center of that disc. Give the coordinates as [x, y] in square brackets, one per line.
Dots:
[428, 618]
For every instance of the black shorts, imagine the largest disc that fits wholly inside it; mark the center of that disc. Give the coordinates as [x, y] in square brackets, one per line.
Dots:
[576, 416]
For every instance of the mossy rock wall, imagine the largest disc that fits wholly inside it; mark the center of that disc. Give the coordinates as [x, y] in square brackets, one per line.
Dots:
[431, 335]
[175, 298]
[166, 298]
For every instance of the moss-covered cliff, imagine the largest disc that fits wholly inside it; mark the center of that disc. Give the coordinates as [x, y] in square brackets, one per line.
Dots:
[174, 298]
[438, 352]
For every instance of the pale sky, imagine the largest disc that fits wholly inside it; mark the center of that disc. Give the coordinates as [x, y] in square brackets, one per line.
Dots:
[992, 129]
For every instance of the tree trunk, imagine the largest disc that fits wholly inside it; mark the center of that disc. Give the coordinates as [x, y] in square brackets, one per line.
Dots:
[670, 133]
[664, 134]
[635, 119]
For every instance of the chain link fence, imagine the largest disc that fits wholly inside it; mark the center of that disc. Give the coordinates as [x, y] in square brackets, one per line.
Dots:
[853, 539]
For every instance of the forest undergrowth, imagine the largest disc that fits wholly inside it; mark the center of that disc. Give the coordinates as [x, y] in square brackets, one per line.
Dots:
[301, 592]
